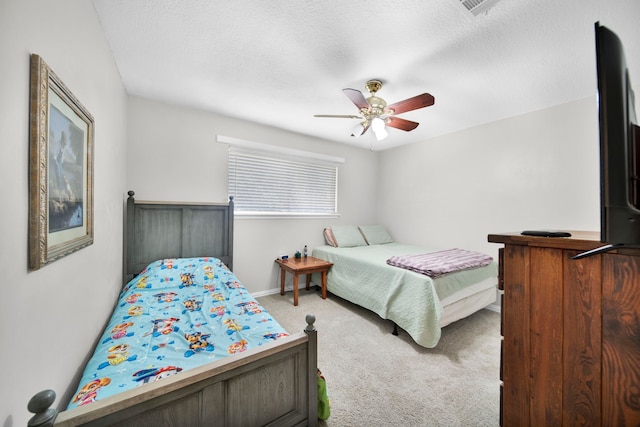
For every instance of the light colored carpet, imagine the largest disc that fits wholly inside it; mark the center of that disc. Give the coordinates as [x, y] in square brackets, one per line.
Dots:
[377, 379]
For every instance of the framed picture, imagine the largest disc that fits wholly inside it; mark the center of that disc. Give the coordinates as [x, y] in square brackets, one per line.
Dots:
[60, 169]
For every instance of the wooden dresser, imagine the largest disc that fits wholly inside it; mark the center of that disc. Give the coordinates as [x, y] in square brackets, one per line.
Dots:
[571, 332]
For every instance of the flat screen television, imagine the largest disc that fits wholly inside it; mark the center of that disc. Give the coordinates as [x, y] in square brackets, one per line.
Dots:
[619, 146]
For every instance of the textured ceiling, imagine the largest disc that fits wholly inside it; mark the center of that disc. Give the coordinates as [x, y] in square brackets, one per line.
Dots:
[280, 62]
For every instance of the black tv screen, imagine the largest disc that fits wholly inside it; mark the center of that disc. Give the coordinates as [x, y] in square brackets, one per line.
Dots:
[619, 144]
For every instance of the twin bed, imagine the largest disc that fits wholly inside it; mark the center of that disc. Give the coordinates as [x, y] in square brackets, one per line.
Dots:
[416, 302]
[187, 344]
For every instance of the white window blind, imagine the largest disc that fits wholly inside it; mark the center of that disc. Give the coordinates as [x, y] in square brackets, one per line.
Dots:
[279, 183]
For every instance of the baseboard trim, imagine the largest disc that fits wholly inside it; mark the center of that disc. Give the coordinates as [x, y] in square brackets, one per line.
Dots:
[265, 293]
[272, 291]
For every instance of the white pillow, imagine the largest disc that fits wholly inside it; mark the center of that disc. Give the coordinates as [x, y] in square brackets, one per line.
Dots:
[375, 234]
[348, 236]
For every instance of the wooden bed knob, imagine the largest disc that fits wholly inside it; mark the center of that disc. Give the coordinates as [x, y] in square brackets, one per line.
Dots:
[310, 318]
[40, 405]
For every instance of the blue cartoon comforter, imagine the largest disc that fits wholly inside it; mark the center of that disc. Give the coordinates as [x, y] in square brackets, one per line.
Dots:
[175, 315]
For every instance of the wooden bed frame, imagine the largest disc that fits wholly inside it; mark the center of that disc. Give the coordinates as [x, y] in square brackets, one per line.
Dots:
[275, 384]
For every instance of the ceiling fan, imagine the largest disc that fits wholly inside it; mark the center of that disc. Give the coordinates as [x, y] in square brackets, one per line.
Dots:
[376, 114]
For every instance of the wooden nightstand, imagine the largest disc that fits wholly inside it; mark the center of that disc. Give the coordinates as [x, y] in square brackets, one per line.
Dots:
[306, 265]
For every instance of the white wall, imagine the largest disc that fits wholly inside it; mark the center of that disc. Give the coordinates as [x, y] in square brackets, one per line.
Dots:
[538, 170]
[49, 319]
[173, 155]
[535, 171]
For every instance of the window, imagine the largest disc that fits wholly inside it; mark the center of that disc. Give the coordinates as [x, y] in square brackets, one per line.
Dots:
[276, 181]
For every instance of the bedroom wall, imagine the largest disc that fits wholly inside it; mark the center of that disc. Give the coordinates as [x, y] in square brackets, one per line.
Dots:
[173, 155]
[538, 170]
[49, 318]
[534, 171]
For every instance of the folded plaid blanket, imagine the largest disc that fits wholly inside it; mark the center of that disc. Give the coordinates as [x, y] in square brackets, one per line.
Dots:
[436, 264]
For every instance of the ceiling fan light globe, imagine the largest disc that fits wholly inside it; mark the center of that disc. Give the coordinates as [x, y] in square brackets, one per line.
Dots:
[381, 134]
[377, 124]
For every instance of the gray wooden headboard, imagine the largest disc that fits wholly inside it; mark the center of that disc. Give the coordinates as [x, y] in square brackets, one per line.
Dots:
[159, 230]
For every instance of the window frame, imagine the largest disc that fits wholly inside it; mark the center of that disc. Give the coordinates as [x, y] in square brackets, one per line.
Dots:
[294, 158]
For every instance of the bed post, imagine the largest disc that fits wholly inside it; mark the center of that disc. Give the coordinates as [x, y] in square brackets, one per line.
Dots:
[312, 355]
[40, 405]
[129, 235]
[230, 233]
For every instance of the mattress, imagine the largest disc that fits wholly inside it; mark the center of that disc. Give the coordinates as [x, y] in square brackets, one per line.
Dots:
[412, 300]
[175, 315]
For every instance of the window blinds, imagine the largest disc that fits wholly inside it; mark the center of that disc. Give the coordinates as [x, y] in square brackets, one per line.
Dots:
[264, 183]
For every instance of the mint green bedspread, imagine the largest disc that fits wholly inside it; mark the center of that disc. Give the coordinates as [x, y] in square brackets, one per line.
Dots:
[412, 300]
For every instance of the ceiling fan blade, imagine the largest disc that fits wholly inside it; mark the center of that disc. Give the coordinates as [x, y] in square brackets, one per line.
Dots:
[357, 98]
[419, 101]
[403, 124]
[338, 116]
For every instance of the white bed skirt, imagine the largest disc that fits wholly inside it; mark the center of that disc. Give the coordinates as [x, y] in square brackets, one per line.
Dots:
[468, 300]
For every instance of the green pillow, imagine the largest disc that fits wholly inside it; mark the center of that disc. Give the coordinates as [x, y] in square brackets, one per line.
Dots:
[375, 234]
[348, 236]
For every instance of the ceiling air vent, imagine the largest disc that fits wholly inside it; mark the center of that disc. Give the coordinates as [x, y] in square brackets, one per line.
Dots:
[475, 7]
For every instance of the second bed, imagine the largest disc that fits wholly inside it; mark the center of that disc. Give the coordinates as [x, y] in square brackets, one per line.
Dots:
[419, 304]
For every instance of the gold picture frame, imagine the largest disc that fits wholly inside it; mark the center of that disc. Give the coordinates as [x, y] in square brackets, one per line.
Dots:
[61, 133]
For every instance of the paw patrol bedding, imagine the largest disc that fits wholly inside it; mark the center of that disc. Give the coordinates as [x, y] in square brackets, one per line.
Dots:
[175, 315]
